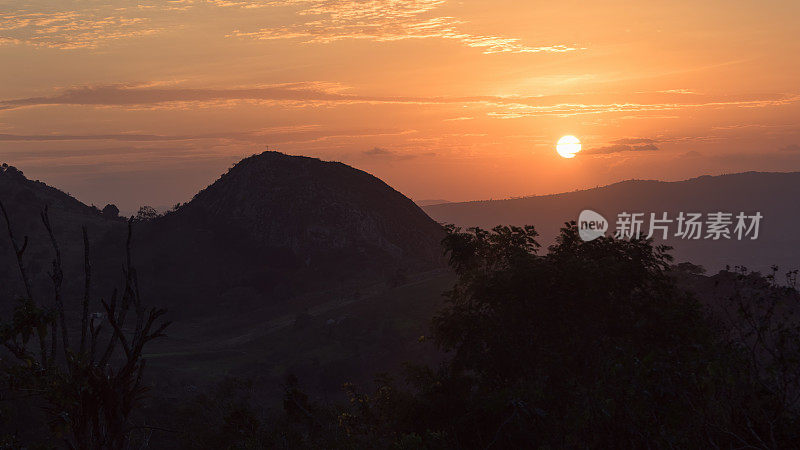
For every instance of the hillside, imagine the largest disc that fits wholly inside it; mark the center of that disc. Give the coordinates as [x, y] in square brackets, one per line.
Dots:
[290, 268]
[24, 200]
[275, 227]
[278, 249]
[773, 194]
[314, 207]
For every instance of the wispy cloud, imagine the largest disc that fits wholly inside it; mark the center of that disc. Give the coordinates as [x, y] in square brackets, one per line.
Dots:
[326, 21]
[73, 24]
[89, 137]
[71, 29]
[386, 154]
[518, 109]
[790, 148]
[624, 145]
[9, 41]
[81, 149]
[130, 95]
[271, 135]
[153, 95]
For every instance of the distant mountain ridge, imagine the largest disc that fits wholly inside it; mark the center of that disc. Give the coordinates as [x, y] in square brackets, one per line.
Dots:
[774, 194]
[277, 225]
[432, 201]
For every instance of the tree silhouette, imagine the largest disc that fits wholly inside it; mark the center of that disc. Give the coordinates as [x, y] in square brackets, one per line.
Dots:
[111, 211]
[90, 391]
[146, 213]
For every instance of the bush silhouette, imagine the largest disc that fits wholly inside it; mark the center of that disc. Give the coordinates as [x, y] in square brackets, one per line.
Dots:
[591, 344]
[89, 392]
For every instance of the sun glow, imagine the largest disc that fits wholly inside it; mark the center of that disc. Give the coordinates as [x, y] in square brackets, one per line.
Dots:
[568, 146]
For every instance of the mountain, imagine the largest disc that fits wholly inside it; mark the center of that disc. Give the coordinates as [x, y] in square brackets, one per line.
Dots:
[283, 263]
[24, 200]
[315, 208]
[429, 202]
[774, 195]
[276, 226]
[273, 228]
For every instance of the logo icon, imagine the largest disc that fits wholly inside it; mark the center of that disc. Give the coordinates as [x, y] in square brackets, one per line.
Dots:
[591, 225]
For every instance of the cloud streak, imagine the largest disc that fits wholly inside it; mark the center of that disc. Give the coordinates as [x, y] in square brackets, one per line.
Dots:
[71, 29]
[329, 21]
[151, 95]
[391, 155]
[72, 24]
[624, 145]
[272, 136]
[790, 148]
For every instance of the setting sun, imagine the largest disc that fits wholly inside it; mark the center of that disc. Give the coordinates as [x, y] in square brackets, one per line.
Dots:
[568, 146]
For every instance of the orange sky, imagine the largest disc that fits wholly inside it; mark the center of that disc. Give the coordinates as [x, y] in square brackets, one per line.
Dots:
[147, 102]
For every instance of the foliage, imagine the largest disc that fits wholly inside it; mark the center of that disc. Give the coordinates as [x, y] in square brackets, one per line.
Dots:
[761, 318]
[224, 417]
[146, 213]
[589, 345]
[89, 393]
[110, 211]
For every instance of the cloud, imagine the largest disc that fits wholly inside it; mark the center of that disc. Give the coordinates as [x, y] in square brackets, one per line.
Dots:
[133, 95]
[634, 141]
[691, 154]
[302, 94]
[580, 104]
[790, 148]
[309, 94]
[377, 151]
[76, 24]
[72, 29]
[61, 155]
[382, 153]
[624, 145]
[9, 41]
[89, 137]
[329, 21]
[276, 135]
[677, 91]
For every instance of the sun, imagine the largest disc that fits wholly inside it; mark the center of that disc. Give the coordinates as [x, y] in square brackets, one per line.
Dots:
[568, 146]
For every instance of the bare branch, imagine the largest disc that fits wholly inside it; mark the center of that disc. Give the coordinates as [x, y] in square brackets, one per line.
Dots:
[101, 415]
[128, 242]
[18, 251]
[18, 350]
[117, 330]
[95, 333]
[113, 342]
[87, 269]
[138, 304]
[57, 276]
[53, 338]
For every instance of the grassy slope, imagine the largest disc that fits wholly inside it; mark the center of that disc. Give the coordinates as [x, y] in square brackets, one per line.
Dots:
[338, 340]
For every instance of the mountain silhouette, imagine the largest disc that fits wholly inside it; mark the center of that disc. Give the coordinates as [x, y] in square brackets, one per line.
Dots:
[24, 201]
[272, 228]
[315, 207]
[275, 226]
[774, 195]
